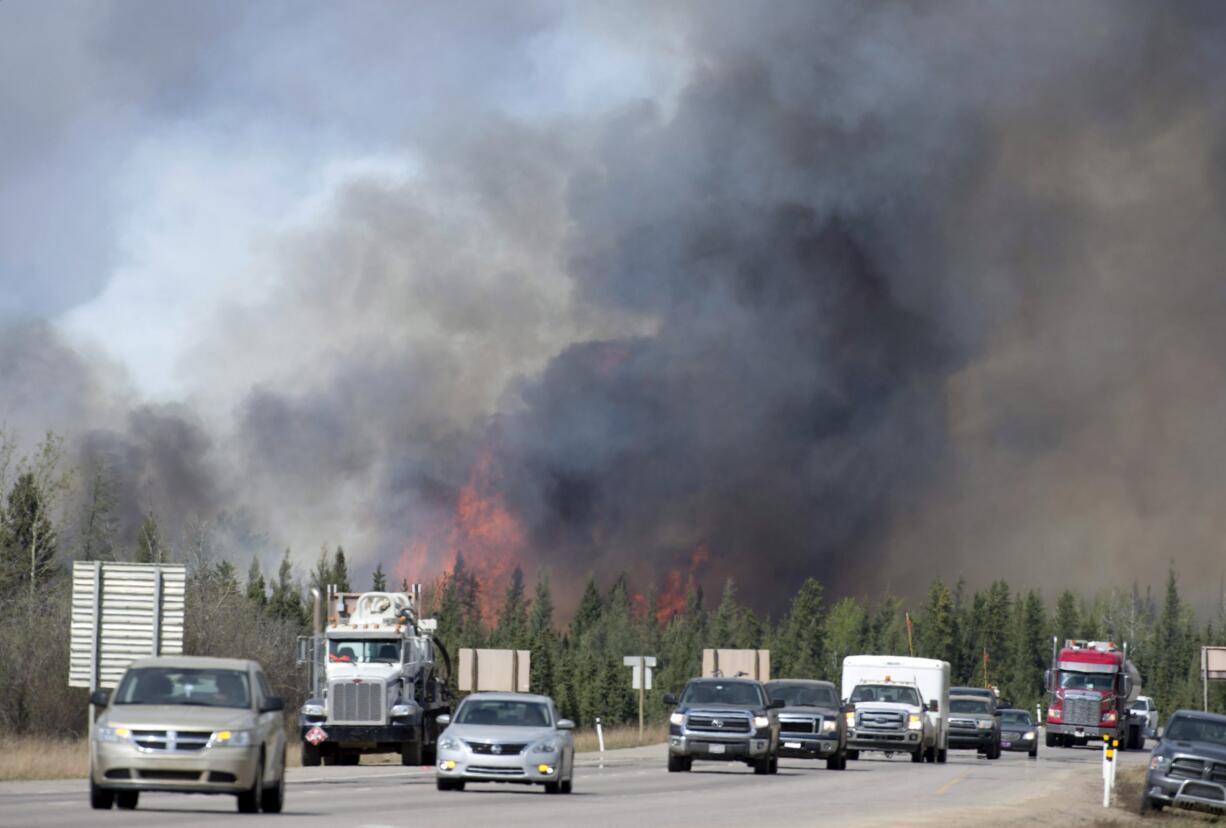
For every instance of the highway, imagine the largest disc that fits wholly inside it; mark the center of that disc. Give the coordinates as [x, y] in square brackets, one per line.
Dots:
[632, 788]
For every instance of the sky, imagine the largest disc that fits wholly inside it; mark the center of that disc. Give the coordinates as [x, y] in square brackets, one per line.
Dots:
[868, 293]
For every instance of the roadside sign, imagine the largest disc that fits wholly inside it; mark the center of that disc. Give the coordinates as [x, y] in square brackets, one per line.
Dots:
[122, 612]
[1212, 668]
[640, 665]
[316, 735]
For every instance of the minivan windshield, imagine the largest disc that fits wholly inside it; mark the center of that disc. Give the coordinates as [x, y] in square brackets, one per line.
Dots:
[503, 713]
[718, 692]
[803, 695]
[1195, 729]
[175, 685]
[892, 693]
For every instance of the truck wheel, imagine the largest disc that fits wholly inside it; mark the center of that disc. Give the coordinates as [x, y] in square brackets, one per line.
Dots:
[410, 754]
[1050, 738]
[311, 755]
[349, 757]
[853, 755]
[126, 800]
[836, 762]
[918, 756]
[99, 798]
[1150, 805]
[429, 755]
[762, 766]
[930, 755]
[678, 764]
[774, 765]
[942, 756]
[994, 751]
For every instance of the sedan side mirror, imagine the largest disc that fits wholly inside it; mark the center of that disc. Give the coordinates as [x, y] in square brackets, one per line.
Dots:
[775, 704]
[272, 704]
[99, 698]
[934, 706]
[443, 719]
[670, 699]
[565, 724]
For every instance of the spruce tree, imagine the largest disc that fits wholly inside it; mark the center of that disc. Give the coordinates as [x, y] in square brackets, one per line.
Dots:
[542, 640]
[799, 641]
[935, 630]
[321, 573]
[1067, 623]
[588, 613]
[378, 579]
[724, 624]
[257, 590]
[511, 630]
[149, 541]
[844, 636]
[28, 541]
[340, 571]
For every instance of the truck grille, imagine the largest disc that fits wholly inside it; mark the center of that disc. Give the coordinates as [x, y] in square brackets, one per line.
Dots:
[964, 724]
[357, 702]
[716, 723]
[881, 720]
[798, 725]
[1082, 711]
[487, 748]
[171, 740]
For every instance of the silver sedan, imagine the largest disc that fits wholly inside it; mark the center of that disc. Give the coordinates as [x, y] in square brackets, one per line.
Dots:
[506, 737]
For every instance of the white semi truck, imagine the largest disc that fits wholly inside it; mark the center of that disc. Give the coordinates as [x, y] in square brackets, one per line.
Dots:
[377, 685]
[899, 706]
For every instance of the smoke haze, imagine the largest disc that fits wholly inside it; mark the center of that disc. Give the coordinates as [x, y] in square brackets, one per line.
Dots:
[863, 292]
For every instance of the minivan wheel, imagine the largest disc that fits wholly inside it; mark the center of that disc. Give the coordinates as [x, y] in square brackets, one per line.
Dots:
[249, 800]
[127, 799]
[100, 798]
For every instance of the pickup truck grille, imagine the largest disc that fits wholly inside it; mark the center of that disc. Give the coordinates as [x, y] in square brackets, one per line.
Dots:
[881, 720]
[357, 702]
[1186, 767]
[799, 725]
[171, 740]
[964, 724]
[716, 723]
[1082, 711]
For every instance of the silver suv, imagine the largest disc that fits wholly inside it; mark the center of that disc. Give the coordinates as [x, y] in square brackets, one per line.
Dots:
[191, 725]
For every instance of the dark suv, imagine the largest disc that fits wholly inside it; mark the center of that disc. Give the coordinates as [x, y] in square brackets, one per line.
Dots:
[973, 724]
[811, 722]
[724, 720]
[1188, 766]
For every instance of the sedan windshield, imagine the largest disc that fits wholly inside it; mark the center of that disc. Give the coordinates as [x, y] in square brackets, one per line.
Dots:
[715, 692]
[376, 650]
[1085, 681]
[891, 693]
[503, 713]
[802, 695]
[168, 685]
[1015, 719]
[1192, 729]
[968, 706]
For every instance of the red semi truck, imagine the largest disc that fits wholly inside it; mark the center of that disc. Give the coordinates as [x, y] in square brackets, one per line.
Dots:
[1091, 685]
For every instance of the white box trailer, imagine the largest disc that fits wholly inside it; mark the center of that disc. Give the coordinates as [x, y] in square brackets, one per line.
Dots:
[929, 675]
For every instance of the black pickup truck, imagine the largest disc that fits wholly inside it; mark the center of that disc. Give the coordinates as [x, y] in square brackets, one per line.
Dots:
[812, 724]
[723, 720]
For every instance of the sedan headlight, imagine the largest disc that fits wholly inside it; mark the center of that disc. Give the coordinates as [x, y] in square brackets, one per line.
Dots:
[545, 746]
[232, 738]
[829, 725]
[449, 743]
[112, 734]
[915, 722]
[312, 710]
[1029, 736]
[677, 718]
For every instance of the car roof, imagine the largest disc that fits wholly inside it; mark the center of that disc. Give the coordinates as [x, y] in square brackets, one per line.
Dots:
[1199, 714]
[521, 697]
[801, 683]
[719, 680]
[197, 662]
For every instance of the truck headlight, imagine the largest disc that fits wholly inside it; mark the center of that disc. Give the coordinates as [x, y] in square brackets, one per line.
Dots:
[1159, 763]
[985, 725]
[112, 734]
[312, 710]
[829, 725]
[545, 746]
[399, 710]
[761, 722]
[448, 743]
[232, 738]
[915, 722]
[676, 718]
[851, 718]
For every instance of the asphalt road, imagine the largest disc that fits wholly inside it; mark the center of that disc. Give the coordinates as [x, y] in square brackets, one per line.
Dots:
[630, 788]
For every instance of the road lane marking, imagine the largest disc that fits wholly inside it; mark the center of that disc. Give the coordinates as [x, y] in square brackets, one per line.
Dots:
[944, 789]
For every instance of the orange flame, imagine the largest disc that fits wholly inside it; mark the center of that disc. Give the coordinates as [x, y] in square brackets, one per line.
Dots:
[677, 583]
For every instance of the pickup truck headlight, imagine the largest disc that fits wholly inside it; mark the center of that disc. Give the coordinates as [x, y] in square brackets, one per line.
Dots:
[545, 746]
[761, 722]
[112, 734]
[232, 738]
[829, 725]
[312, 710]
[676, 718]
[915, 722]
[851, 718]
[448, 743]
[1160, 763]
[985, 725]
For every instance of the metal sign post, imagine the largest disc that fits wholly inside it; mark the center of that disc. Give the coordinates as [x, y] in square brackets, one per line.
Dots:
[640, 679]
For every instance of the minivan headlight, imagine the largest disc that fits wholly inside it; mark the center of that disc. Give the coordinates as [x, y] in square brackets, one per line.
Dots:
[232, 738]
[112, 734]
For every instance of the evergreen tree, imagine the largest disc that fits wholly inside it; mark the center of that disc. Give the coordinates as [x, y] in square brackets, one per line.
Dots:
[321, 573]
[378, 579]
[995, 632]
[286, 600]
[98, 521]
[511, 630]
[1068, 619]
[588, 613]
[935, 634]
[149, 541]
[1028, 652]
[28, 541]
[340, 572]
[844, 635]
[727, 616]
[542, 640]
[799, 641]
[888, 630]
[257, 590]
[1171, 640]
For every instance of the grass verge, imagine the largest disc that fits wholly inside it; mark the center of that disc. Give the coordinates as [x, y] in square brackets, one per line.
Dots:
[30, 757]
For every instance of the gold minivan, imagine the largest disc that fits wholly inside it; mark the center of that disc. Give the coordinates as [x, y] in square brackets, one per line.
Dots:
[189, 725]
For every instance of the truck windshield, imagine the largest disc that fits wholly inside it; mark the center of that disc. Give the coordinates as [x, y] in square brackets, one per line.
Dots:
[201, 687]
[1086, 681]
[364, 650]
[968, 706]
[503, 713]
[802, 695]
[717, 692]
[1192, 729]
[892, 693]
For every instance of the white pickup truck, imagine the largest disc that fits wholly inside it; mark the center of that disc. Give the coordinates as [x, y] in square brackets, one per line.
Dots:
[900, 706]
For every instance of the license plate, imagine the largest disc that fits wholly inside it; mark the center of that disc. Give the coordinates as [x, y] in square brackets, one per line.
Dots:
[794, 745]
[715, 748]
[1006, 744]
